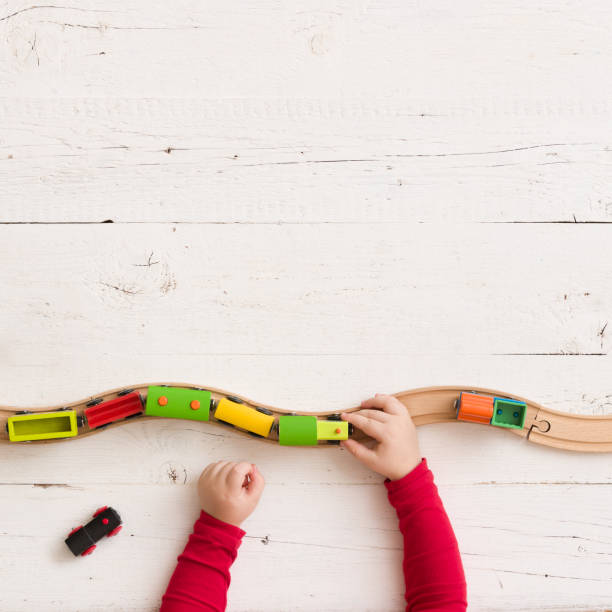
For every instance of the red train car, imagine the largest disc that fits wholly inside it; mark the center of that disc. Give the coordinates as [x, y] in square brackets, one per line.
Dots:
[122, 407]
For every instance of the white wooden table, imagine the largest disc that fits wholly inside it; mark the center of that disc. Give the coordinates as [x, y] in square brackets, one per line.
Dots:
[305, 203]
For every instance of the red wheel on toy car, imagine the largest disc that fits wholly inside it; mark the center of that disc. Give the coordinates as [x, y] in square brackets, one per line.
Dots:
[75, 530]
[115, 531]
[88, 551]
[100, 510]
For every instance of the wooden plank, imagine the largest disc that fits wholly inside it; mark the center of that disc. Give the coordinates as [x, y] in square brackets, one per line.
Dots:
[439, 52]
[361, 290]
[303, 161]
[534, 551]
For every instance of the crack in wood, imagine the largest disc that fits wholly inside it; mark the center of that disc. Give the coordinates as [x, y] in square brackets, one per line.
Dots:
[555, 354]
[269, 540]
[51, 6]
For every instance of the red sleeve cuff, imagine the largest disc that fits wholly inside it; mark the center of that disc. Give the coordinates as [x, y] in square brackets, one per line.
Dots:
[411, 481]
[209, 523]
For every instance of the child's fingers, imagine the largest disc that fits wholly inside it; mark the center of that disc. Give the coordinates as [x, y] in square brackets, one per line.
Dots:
[375, 415]
[256, 486]
[388, 403]
[359, 451]
[206, 470]
[237, 473]
[217, 468]
[223, 472]
[374, 429]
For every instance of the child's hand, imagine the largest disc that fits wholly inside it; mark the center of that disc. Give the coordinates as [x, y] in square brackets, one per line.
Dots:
[396, 449]
[229, 491]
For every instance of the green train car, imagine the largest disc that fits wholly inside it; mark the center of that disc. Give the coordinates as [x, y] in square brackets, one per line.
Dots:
[178, 403]
[307, 430]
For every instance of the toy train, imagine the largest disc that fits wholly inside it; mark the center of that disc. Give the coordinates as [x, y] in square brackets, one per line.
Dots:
[199, 405]
[498, 411]
[180, 403]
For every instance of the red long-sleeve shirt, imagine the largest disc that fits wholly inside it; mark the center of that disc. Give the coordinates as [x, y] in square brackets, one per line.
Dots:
[432, 565]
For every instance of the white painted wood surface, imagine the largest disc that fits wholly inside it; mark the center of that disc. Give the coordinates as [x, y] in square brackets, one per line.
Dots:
[310, 203]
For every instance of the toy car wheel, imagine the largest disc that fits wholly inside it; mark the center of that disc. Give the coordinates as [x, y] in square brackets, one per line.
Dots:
[88, 551]
[75, 530]
[100, 510]
[114, 532]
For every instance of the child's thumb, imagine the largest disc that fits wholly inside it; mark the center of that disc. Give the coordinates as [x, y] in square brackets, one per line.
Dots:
[364, 454]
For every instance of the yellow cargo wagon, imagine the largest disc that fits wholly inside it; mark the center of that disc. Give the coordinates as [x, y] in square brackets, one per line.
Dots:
[42, 425]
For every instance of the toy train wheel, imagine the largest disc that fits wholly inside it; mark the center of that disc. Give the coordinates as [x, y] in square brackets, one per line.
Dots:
[264, 410]
[88, 551]
[233, 398]
[226, 423]
[114, 532]
[100, 510]
[95, 402]
[124, 392]
[75, 530]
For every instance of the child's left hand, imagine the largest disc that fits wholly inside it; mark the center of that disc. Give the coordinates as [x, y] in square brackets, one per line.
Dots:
[230, 491]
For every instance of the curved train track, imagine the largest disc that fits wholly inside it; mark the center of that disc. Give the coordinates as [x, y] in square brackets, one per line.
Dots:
[426, 405]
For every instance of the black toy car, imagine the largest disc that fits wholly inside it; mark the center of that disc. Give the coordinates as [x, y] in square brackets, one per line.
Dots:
[82, 540]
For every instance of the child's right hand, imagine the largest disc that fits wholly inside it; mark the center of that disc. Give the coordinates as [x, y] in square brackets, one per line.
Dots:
[229, 491]
[396, 449]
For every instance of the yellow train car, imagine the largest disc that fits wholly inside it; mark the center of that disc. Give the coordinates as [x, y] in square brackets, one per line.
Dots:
[257, 421]
[42, 426]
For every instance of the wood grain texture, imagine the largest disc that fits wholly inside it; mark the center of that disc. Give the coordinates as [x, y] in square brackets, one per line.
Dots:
[310, 204]
[305, 160]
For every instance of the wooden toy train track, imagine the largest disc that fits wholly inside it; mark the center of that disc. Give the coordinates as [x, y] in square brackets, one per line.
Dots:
[521, 417]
